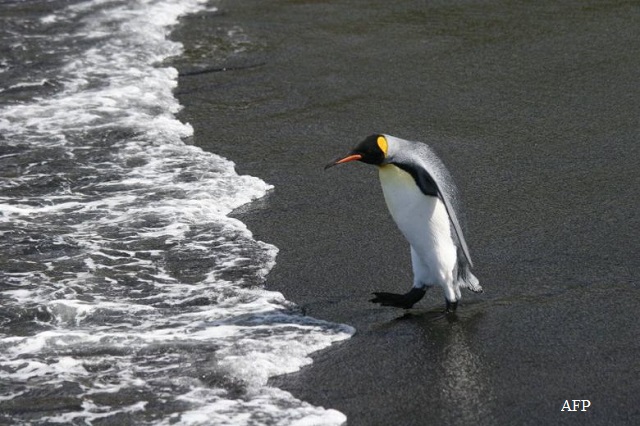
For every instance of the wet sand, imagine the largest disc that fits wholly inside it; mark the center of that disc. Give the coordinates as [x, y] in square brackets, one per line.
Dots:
[533, 107]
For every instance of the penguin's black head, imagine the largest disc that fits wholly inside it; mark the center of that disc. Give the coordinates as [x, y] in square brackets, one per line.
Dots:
[372, 150]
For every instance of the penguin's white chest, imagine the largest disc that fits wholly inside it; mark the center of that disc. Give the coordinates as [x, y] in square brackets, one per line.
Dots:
[425, 224]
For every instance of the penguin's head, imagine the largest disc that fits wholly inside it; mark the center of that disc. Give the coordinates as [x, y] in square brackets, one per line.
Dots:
[373, 150]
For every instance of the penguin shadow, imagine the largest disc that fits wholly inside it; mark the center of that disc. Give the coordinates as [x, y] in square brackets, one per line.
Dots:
[432, 315]
[468, 314]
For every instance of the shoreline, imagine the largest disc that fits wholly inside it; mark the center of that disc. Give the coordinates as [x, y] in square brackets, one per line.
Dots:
[551, 300]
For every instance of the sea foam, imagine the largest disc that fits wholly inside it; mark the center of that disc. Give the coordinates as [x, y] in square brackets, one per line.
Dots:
[127, 286]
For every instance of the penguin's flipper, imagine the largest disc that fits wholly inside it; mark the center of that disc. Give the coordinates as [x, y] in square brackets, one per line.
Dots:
[404, 301]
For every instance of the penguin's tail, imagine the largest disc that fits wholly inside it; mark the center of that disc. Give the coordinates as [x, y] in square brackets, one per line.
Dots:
[469, 281]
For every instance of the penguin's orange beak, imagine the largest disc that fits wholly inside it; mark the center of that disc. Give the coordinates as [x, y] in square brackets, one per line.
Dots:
[340, 160]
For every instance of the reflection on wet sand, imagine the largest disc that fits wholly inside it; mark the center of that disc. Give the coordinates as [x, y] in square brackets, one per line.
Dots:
[464, 391]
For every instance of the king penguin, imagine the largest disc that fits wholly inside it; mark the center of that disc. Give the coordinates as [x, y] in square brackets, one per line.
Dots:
[423, 201]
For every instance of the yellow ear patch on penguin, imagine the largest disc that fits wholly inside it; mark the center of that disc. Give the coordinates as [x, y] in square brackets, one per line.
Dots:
[383, 145]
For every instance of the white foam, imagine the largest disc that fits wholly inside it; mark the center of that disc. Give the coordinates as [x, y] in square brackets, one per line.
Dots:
[39, 83]
[212, 409]
[91, 411]
[146, 277]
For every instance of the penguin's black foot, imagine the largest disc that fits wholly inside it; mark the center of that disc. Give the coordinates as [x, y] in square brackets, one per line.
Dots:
[404, 301]
[451, 307]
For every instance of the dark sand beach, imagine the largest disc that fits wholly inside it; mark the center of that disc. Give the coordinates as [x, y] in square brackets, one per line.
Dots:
[534, 108]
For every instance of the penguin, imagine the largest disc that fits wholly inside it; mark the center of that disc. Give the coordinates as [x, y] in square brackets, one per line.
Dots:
[423, 202]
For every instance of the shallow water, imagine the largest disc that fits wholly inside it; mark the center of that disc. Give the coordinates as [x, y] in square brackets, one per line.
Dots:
[128, 293]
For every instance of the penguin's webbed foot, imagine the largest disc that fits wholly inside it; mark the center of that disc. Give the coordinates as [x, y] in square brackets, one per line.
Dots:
[404, 301]
[451, 307]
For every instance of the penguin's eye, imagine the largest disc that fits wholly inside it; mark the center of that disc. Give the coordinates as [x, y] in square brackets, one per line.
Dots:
[383, 145]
